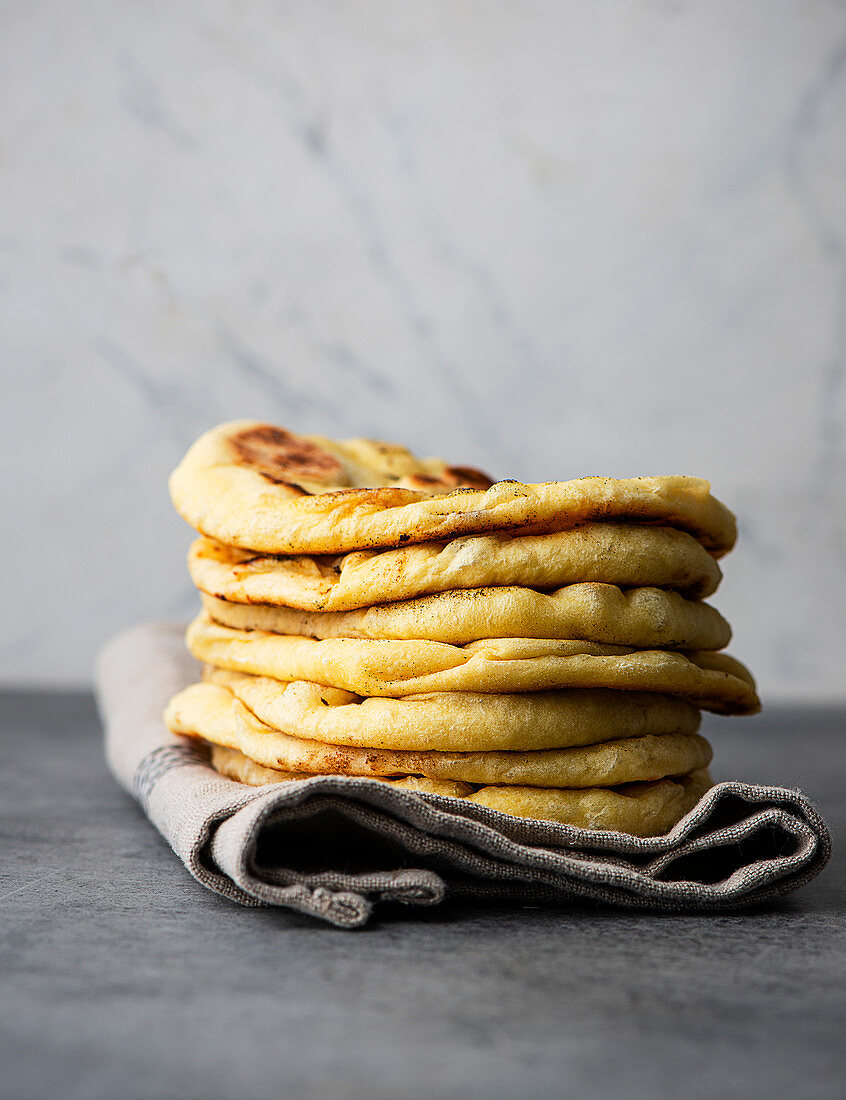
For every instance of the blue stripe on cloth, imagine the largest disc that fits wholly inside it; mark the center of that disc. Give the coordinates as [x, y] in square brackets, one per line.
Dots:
[158, 763]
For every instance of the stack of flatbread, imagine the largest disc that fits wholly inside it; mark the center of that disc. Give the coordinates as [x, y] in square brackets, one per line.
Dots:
[541, 649]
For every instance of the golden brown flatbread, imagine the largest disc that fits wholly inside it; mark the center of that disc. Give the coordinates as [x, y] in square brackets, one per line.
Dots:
[643, 618]
[457, 721]
[639, 809]
[713, 681]
[260, 487]
[234, 765]
[211, 712]
[626, 555]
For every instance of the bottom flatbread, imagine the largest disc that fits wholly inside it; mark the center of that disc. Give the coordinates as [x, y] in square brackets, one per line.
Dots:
[234, 765]
[640, 809]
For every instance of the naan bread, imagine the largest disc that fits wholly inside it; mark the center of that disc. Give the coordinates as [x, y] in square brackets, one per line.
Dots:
[626, 555]
[639, 809]
[713, 681]
[644, 618]
[260, 487]
[457, 721]
[234, 765]
[213, 713]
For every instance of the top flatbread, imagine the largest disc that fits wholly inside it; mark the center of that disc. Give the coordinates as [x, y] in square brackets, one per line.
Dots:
[259, 487]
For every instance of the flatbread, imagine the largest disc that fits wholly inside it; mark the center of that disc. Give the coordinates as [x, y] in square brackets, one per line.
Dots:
[260, 487]
[234, 765]
[213, 713]
[626, 555]
[390, 668]
[639, 809]
[644, 618]
[457, 721]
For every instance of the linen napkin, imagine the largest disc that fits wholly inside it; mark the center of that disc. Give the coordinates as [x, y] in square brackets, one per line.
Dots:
[337, 847]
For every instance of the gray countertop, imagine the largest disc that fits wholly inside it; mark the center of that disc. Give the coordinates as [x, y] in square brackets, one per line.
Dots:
[123, 977]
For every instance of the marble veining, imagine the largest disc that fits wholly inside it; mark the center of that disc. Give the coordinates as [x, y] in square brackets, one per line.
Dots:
[546, 238]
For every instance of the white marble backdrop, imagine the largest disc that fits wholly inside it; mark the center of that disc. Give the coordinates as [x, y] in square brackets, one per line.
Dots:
[547, 237]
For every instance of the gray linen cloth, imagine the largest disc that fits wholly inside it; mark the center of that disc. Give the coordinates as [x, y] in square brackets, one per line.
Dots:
[335, 847]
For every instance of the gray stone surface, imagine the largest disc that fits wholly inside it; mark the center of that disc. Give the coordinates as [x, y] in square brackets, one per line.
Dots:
[123, 977]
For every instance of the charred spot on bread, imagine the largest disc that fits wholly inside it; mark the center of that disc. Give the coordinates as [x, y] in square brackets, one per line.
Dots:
[281, 457]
